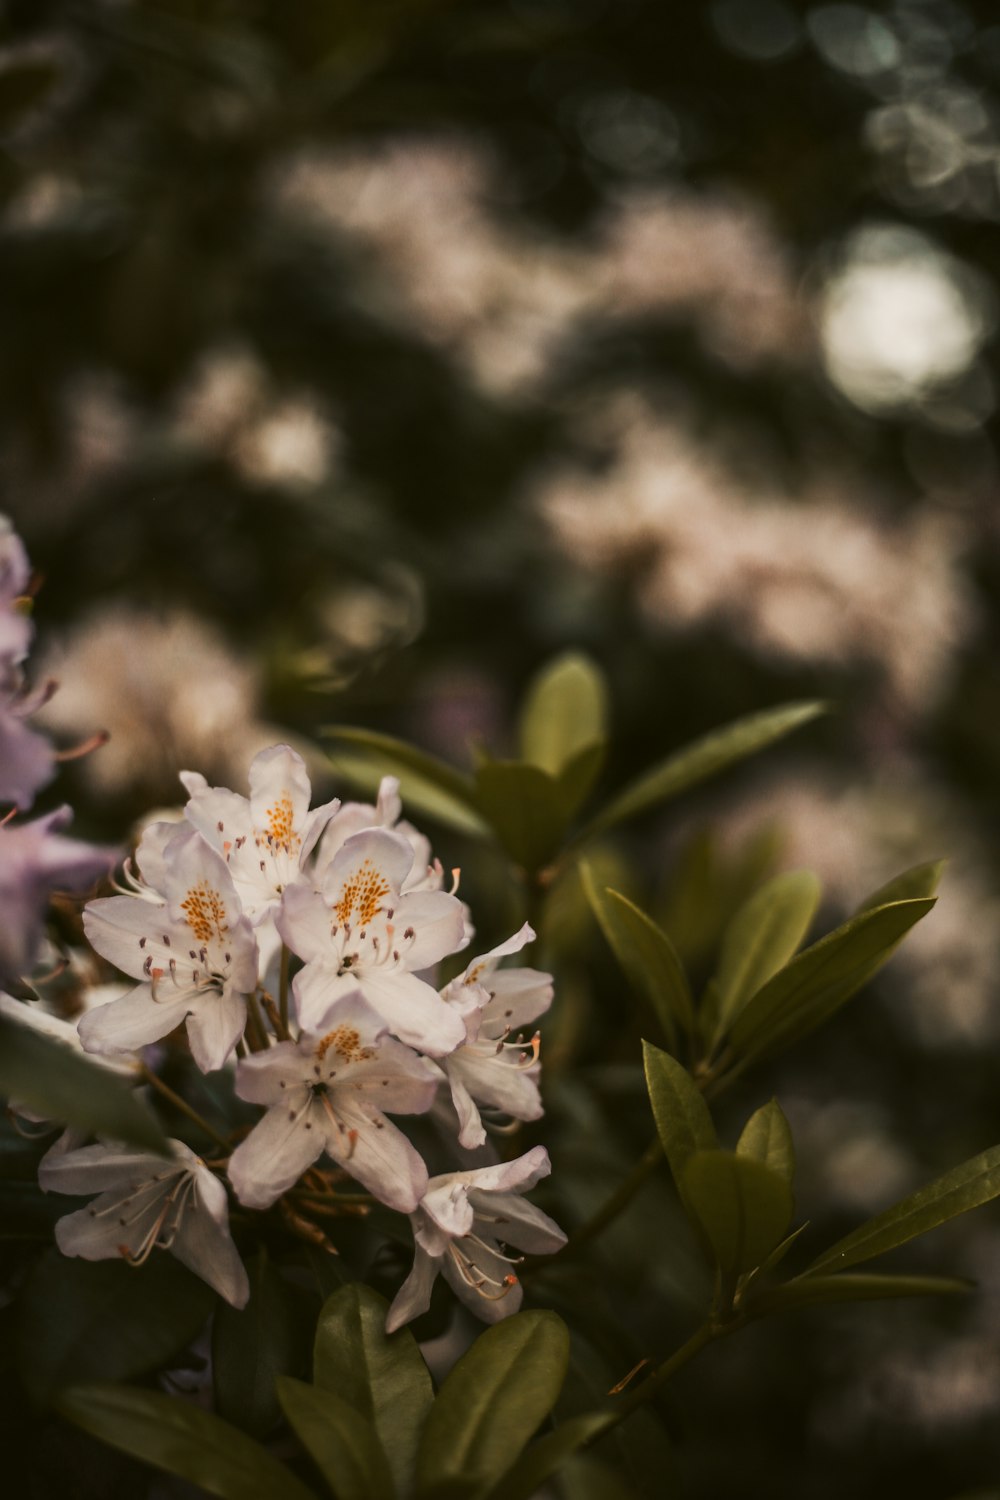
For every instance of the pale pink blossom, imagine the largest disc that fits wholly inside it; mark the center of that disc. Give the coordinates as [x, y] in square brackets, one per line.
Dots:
[462, 1228]
[146, 1203]
[194, 952]
[364, 931]
[35, 861]
[327, 1092]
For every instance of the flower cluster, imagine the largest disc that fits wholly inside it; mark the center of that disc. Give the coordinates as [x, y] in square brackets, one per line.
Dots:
[220, 906]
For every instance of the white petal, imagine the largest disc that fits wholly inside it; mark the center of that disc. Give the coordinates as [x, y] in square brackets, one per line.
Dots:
[315, 826]
[100, 1168]
[520, 1223]
[120, 928]
[414, 1296]
[279, 792]
[496, 1082]
[438, 923]
[315, 989]
[379, 1156]
[518, 997]
[304, 923]
[274, 1155]
[205, 1245]
[366, 873]
[215, 1024]
[414, 1011]
[471, 1131]
[219, 815]
[446, 1204]
[131, 1022]
[98, 1233]
[269, 1077]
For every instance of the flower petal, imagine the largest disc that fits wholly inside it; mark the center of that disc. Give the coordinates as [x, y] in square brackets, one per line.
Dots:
[378, 1155]
[274, 1155]
[510, 1218]
[414, 1296]
[131, 1022]
[414, 1011]
[205, 1245]
[214, 1026]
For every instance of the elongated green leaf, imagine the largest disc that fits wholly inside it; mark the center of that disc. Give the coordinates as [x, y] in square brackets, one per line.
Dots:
[767, 1138]
[564, 712]
[781, 1249]
[179, 1437]
[921, 880]
[742, 1206]
[975, 1182]
[523, 807]
[763, 936]
[105, 1320]
[427, 784]
[251, 1347]
[340, 1441]
[55, 1083]
[578, 776]
[705, 758]
[681, 1114]
[646, 955]
[381, 1376]
[536, 1464]
[850, 1286]
[820, 980]
[493, 1400]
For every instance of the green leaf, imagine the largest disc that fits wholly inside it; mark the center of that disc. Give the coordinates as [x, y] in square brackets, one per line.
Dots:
[743, 1207]
[381, 1376]
[681, 1114]
[646, 955]
[499, 1392]
[706, 757]
[921, 880]
[183, 1439]
[341, 1442]
[537, 1463]
[968, 1186]
[523, 807]
[762, 937]
[92, 1320]
[767, 1138]
[427, 784]
[578, 776]
[820, 980]
[251, 1347]
[564, 712]
[54, 1082]
[853, 1287]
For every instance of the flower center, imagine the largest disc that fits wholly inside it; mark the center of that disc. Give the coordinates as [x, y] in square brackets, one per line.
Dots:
[346, 1042]
[361, 896]
[205, 912]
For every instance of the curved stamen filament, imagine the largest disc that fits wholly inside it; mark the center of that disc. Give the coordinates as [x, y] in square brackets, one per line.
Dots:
[473, 1275]
[513, 1260]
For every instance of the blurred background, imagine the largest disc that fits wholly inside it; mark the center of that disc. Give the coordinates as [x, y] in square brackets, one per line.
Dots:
[358, 357]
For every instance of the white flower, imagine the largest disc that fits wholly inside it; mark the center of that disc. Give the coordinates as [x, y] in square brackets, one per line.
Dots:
[266, 839]
[461, 1228]
[195, 950]
[425, 874]
[488, 1068]
[147, 1202]
[363, 933]
[327, 1093]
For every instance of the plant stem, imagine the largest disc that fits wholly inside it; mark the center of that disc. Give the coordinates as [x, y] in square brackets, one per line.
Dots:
[610, 1208]
[256, 1036]
[706, 1334]
[184, 1107]
[283, 988]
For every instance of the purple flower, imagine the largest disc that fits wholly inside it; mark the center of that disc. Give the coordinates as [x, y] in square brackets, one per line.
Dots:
[35, 861]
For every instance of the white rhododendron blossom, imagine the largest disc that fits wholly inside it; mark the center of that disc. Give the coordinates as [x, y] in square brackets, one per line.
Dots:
[496, 1067]
[195, 953]
[327, 1092]
[362, 932]
[266, 840]
[145, 1203]
[349, 1029]
[463, 1227]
